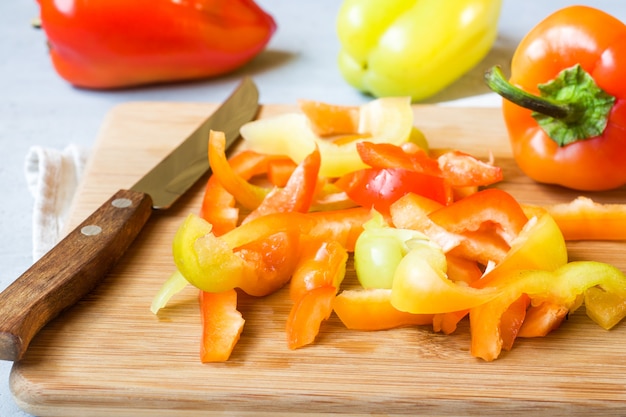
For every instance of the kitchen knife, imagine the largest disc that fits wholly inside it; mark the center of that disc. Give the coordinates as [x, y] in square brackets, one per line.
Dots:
[77, 263]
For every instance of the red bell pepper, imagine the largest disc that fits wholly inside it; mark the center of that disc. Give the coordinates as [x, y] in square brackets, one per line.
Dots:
[116, 43]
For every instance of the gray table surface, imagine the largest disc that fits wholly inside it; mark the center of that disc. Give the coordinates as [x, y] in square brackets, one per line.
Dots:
[38, 108]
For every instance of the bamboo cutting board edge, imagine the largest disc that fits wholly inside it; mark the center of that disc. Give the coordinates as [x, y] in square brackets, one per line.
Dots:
[110, 356]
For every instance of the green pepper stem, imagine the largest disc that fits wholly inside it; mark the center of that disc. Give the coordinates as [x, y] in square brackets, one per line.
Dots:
[496, 82]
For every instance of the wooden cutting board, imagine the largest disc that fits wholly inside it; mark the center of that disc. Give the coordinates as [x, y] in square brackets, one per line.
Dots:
[109, 355]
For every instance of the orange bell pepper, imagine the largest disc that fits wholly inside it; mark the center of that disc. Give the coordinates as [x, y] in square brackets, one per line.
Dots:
[564, 103]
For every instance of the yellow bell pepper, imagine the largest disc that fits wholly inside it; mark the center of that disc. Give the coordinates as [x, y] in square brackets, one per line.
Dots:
[413, 47]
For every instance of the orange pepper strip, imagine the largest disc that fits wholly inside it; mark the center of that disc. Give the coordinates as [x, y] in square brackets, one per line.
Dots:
[321, 269]
[512, 320]
[330, 119]
[584, 219]
[447, 322]
[297, 194]
[222, 325]
[272, 261]
[542, 319]
[218, 205]
[246, 194]
[463, 170]
[306, 316]
[343, 226]
[371, 309]
[279, 170]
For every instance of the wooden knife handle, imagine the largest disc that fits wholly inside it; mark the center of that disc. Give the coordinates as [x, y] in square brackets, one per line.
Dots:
[69, 270]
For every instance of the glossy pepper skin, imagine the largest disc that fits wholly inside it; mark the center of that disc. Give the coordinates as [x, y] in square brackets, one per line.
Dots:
[576, 137]
[106, 44]
[413, 47]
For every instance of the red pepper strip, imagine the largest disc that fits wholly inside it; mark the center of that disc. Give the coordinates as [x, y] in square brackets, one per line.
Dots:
[321, 269]
[463, 170]
[306, 316]
[491, 207]
[322, 263]
[387, 155]
[371, 309]
[246, 194]
[584, 219]
[218, 205]
[297, 194]
[222, 325]
[381, 187]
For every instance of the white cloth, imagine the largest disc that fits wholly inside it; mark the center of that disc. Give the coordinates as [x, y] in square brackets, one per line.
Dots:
[52, 177]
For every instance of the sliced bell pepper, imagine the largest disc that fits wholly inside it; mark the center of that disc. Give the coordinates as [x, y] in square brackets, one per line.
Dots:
[371, 309]
[248, 195]
[218, 205]
[315, 281]
[222, 325]
[388, 120]
[297, 195]
[306, 316]
[378, 251]
[564, 286]
[378, 188]
[279, 170]
[330, 119]
[212, 263]
[584, 219]
[421, 286]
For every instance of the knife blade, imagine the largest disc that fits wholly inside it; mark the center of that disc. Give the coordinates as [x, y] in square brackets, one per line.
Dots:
[79, 261]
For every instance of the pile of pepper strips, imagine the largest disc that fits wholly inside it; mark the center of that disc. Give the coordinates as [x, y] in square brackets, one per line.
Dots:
[430, 244]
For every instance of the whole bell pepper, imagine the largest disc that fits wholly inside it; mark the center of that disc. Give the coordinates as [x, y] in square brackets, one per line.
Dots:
[564, 102]
[115, 43]
[413, 47]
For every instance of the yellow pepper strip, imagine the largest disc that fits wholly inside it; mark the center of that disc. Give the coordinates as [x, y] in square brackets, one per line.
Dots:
[540, 245]
[584, 219]
[420, 285]
[209, 262]
[388, 120]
